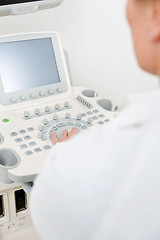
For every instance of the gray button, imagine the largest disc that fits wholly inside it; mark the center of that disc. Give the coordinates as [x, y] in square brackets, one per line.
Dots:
[55, 116]
[106, 120]
[94, 117]
[79, 117]
[23, 146]
[13, 100]
[32, 143]
[50, 91]
[18, 140]
[70, 124]
[61, 125]
[67, 115]
[13, 134]
[47, 109]
[38, 150]
[40, 135]
[89, 113]
[89, 121]
[101, 116]
[41, 94]
[57, 106]
[96, 111]
[30, 129]
[26, 114]
[59, 90]
[84, 127]
[46, 147]
[54, 129]
[83, 114]
[45, 121]
[22, 98]
[66, 104]
[28, 153]
[100, 123]
[37, 111]
[41, 127]
[78, 125]
[27, 137]
[32, 95]
[23, 131]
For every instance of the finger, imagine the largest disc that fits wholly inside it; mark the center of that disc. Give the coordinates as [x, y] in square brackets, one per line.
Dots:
[64, 135]
[73, 132]
[54, 138]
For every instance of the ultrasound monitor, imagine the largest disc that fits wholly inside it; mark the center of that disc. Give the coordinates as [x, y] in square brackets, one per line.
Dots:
[16, 7]
[31, 66]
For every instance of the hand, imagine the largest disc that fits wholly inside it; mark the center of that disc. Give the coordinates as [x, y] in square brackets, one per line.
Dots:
[65, 136]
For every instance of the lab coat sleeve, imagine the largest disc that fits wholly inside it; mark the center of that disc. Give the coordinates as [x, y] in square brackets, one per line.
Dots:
[96, 187]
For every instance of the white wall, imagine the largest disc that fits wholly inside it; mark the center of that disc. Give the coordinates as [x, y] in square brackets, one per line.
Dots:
[98, 41]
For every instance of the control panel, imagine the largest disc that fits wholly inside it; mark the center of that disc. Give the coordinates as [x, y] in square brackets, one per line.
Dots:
[36, 99]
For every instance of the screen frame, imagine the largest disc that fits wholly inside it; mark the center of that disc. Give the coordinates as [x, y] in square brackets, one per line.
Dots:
[63, 86]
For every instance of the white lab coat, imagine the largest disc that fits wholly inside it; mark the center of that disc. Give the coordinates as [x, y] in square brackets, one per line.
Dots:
[104, 184]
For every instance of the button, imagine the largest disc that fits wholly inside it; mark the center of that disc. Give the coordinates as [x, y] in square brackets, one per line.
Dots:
[59, 90]
[106, 120]
[26, 114]
[66, 104]
[41, 127]
[47, 109]
[13, 134]
[37, 111]
[22, 98]
[45, 121]
[38, 150]
[89, 113]
[54, 129]
[83, 114]
[13, 100]
[23, 146]
[67, 115]
[70, 124]
[32, 95]
[28, 153]
[41, 94]
[78, 125]
[18, 140]
[89, 121]
[94, 117]
[27, 137]
[100, 123]
[30, 129]
[23, 131]
[55, 116]
[96, 111]
[32, 143]
[79, 117]
[46, 147]
[50, 91]
[61, 125]
[101, 116]
[5, 120]
[84, 127]
[57, 106]
[40, 135]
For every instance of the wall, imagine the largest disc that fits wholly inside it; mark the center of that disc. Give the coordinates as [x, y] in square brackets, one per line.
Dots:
[98, 41]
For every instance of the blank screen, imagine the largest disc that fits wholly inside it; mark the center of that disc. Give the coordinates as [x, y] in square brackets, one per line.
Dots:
[27, 64]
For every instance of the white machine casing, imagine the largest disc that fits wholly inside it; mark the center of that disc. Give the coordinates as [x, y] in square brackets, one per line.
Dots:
[22, 7]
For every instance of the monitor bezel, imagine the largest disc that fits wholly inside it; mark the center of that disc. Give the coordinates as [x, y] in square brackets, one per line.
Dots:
[61, 87]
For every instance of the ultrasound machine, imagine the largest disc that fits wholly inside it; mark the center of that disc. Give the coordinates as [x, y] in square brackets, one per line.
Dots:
[36, 99]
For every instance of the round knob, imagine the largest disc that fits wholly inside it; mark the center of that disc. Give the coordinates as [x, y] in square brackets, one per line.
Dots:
[66, 104]
[45, 121]
[55, 117]
[22, 98]
[32, 95]
[26, 114]
[41, 94]
[79, 117]
[41, 127]
[37, 111]
[67, 115]
[13, 100]
[40, 135]
[57, 106]
[50, 91]
[89, 121]
[47, 109]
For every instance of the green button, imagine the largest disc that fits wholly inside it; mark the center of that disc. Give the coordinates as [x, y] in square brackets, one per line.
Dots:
[5, 120]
